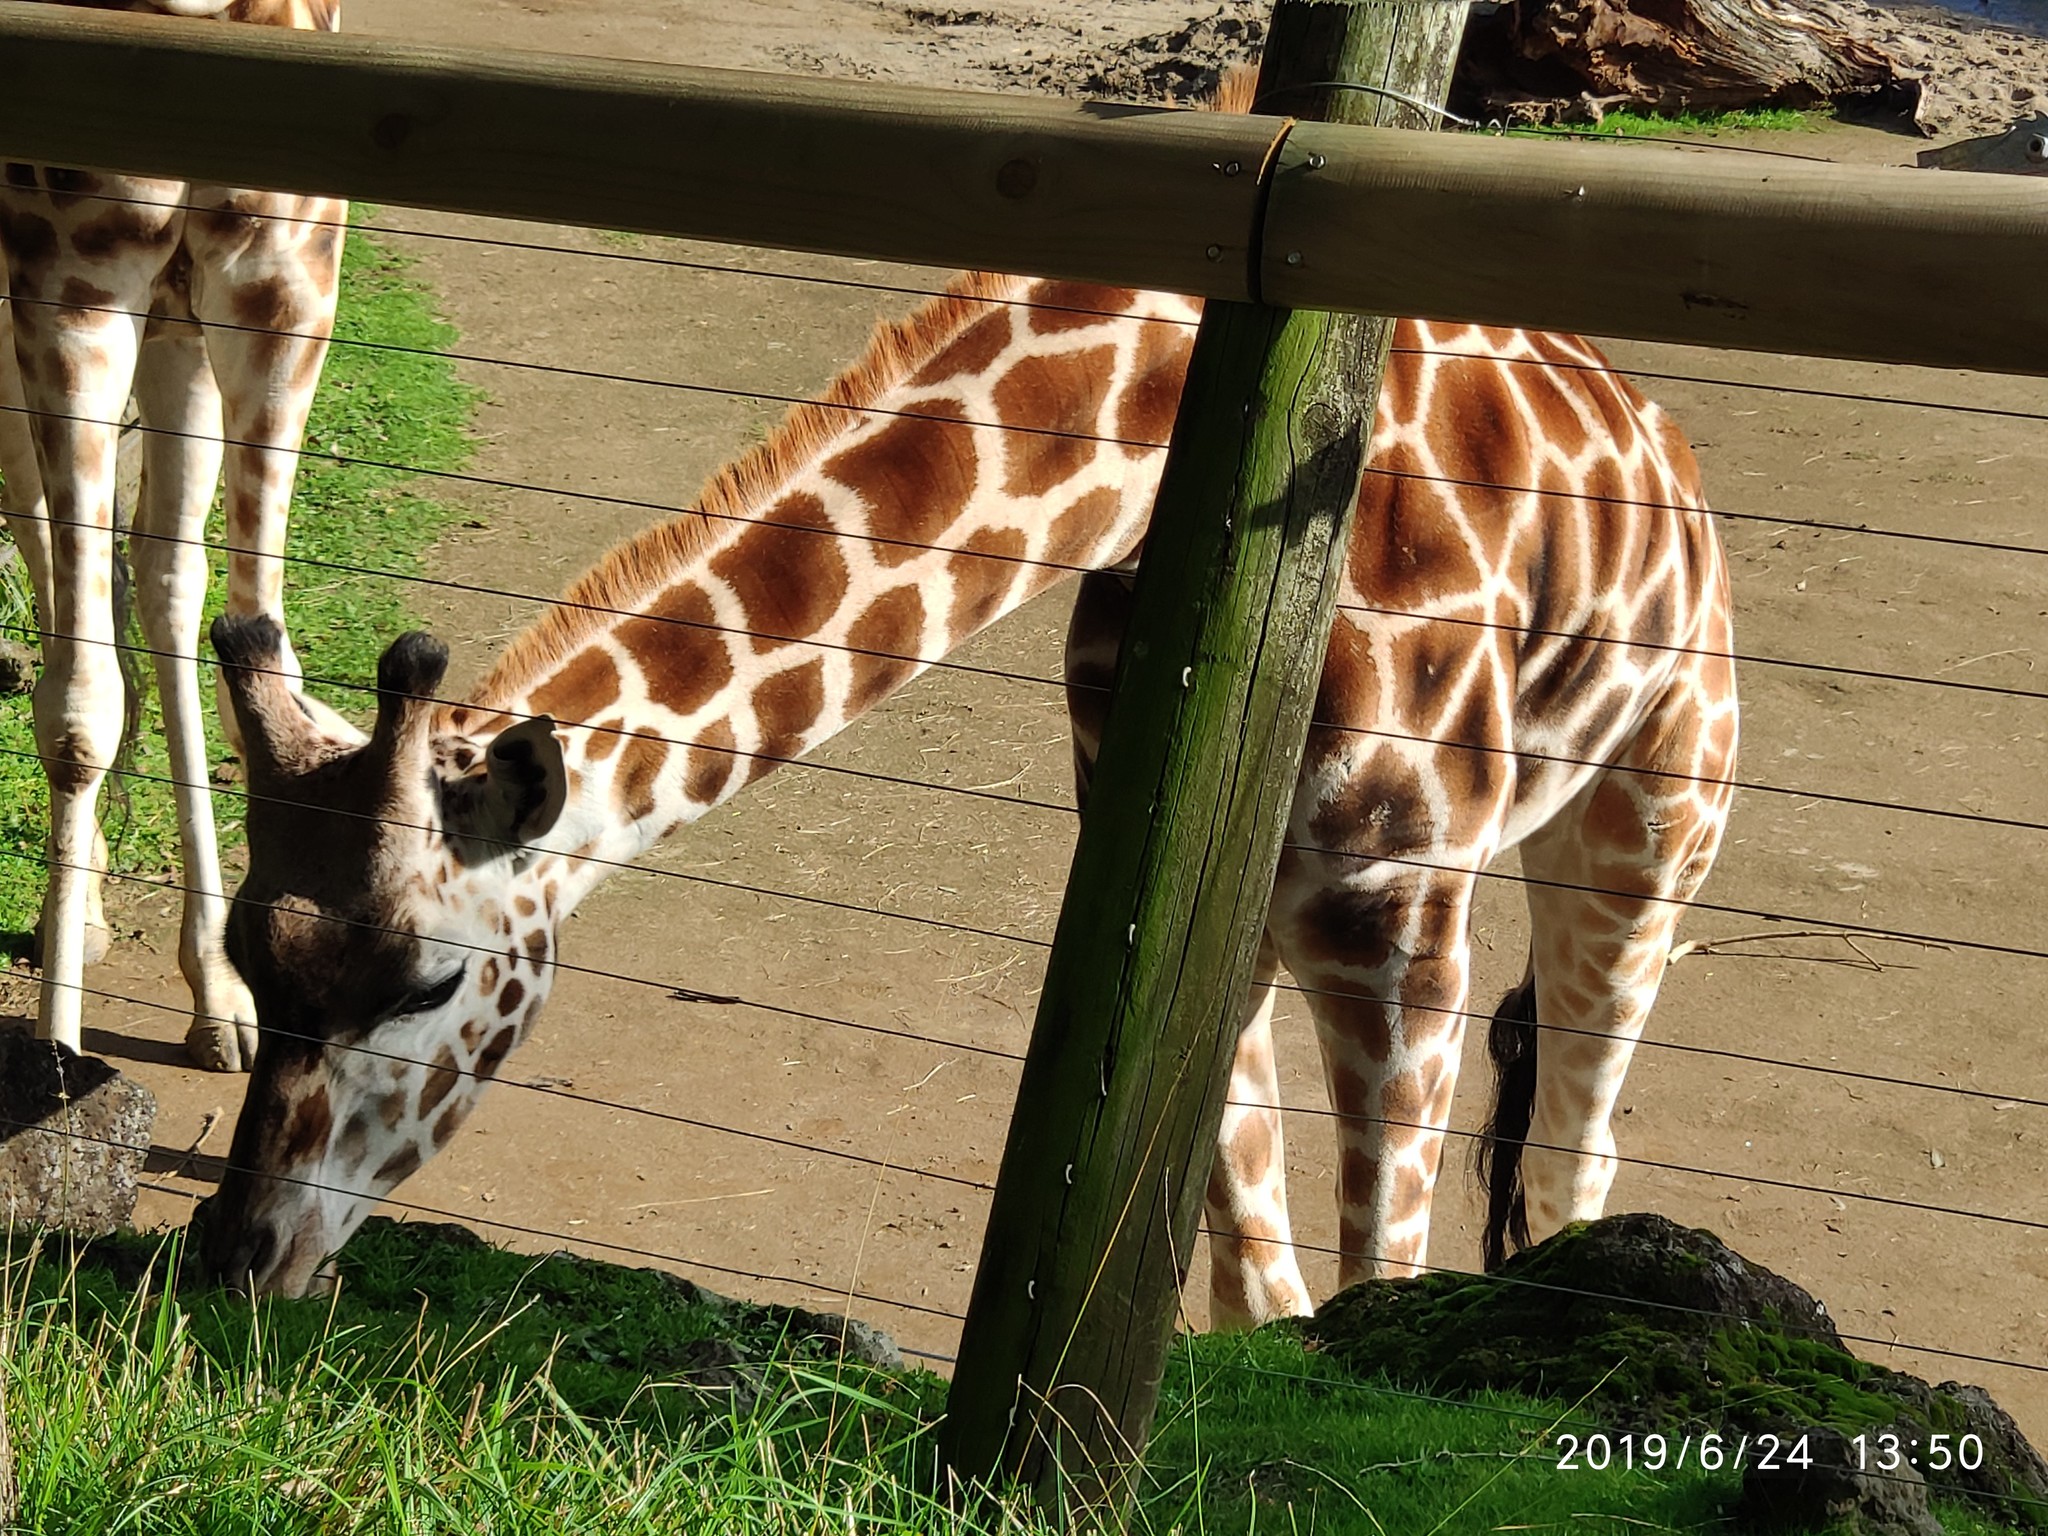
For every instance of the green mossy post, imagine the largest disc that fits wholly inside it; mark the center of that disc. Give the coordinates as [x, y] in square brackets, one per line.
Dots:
[1122, 1091]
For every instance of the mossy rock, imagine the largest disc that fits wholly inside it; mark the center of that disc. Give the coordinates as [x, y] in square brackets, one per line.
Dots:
[1649, 1325]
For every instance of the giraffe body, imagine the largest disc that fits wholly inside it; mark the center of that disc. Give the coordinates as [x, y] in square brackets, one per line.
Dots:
[212, 306]
[1504, 663]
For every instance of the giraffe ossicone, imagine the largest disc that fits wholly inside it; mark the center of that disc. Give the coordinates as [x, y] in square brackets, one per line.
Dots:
[1531, 649]
[213, 306]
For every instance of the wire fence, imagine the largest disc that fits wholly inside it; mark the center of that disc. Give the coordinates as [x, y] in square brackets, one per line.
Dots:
[1963, 938]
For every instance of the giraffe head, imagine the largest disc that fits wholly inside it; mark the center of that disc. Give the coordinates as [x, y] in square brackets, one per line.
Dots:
[395, 932]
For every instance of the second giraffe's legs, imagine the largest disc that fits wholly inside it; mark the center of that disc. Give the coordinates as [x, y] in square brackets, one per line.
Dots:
[76, 395]
[1253, 1274]
[181, 465]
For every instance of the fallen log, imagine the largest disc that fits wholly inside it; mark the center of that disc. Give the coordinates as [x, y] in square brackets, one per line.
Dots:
[1538, 61]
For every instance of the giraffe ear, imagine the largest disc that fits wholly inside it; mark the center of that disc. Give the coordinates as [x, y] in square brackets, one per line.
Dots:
[525, 786]
[278, 737]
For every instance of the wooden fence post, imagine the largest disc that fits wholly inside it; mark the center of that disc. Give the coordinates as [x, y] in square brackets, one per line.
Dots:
[1117, 1112]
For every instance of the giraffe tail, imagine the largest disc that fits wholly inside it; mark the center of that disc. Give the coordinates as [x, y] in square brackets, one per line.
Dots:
[1511, 1044]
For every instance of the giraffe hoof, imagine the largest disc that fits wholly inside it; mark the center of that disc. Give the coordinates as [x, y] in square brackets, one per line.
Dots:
[221, 1047]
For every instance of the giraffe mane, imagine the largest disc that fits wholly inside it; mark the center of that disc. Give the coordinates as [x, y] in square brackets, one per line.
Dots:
[638, 567]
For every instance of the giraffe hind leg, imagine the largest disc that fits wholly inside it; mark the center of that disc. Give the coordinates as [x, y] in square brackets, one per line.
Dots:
[1609, 880]
[181, 465]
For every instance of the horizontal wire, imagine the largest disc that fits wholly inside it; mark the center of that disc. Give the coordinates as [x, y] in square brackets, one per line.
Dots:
[646, 1111]
[1378, 857]
[1710, 1173]
[1724, 1053]
[1802, 1066]
[565, 370]
[1522, 753]
[945, 664]
[1449, 354]
[1028, 941]
[1343, 1383]
[1501, 1277]
[1213, 1233]
[1687, 904]
[1350, 1384]
[886, 1166]
[675, 992]
[691, 995]
[1065, 568]
[466, 1218]
[589, 859]
[460, 477]
[908, 290]
[1998, 1218]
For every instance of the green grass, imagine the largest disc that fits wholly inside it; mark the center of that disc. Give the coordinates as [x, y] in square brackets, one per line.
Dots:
[1638, 125]
[392, 407]
[454, 1387]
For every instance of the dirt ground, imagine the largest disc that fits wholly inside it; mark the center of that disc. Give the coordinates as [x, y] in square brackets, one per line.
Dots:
[1939, 614]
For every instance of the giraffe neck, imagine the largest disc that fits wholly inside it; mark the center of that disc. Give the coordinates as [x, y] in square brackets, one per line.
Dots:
[978, 453]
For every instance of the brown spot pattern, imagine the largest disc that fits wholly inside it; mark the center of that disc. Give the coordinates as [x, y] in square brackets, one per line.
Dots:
[494, 1054]
[441, 1079]
[1060, 397]
[399, 1166]
[893, 626]
[1152, 398]
[787, 573]
[787, 705]
[639, 770]
[1077, 532]
[710, 765]
[587, 684]
[915, 476]
[967, 354]
[305, 1134]
[605, 739]
[1065, 306]
[680, 652]
[983, 576]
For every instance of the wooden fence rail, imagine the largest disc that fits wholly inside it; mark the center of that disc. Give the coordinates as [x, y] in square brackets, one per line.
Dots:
[1759, 252]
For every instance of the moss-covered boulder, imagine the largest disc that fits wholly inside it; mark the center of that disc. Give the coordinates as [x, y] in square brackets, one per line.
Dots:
[1649, 1325]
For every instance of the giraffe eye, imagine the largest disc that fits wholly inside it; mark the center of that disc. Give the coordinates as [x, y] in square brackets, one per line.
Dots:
[434, 996]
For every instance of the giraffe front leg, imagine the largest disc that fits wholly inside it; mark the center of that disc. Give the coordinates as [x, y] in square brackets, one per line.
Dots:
[264, 287]
[181, 464]
[1385, 960]
[75, 395]
[1254, 1276]
[21, 480]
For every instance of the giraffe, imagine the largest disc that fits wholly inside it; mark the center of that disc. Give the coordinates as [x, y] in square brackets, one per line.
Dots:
[213, 306]
[1531, 650]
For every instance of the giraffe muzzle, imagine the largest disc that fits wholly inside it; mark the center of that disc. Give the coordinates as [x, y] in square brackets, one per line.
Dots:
[236, 1255]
